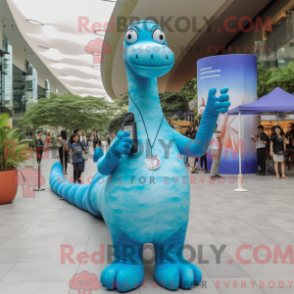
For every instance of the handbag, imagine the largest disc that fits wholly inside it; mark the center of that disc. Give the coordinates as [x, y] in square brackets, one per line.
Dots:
[66, 148]
[84, 153]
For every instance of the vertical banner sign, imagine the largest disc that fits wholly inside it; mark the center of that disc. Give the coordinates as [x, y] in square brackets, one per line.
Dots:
[238, 73]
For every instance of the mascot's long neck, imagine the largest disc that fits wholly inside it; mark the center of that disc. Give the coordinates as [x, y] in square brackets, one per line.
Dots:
[144, 92]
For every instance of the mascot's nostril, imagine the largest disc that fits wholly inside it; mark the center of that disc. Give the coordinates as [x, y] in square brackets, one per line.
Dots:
[166, 57]
[136, 56]
[151, 56]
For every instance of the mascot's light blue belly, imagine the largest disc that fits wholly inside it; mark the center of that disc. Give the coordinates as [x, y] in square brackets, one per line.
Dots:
[160, 198]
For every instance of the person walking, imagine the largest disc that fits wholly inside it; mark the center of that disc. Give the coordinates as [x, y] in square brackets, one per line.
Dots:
[261, 141]
[48, 139]
[40, 142]
[83, 145]
[99, 138]
[216, 153]
[186, 158]
[203, 160]
[45, 142]
[95, 140]
[193, 160]
[63, 150]
[108, 138]
[76, 158]
[277, 147]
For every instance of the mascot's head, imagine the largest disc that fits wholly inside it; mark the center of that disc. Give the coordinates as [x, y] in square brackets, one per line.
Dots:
[146, 51]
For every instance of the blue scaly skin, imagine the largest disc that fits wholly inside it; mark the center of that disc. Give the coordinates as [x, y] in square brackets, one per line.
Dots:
[140, 205]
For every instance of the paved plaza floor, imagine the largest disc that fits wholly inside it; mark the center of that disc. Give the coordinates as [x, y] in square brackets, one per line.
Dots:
[255, 230]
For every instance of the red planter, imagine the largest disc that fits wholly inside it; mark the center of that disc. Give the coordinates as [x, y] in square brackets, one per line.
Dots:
[8, 186]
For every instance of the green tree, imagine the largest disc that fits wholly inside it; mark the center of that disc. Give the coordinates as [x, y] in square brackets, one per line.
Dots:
[68, 111]
[263, 76]
[13, 151]
[121, 105]
[172, 102]
[282, 77]
[189, 90]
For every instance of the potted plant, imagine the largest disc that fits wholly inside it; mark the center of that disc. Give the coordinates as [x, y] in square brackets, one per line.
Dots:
[13, 152]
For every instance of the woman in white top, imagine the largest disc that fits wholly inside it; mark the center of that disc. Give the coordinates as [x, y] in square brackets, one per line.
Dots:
[63, 150]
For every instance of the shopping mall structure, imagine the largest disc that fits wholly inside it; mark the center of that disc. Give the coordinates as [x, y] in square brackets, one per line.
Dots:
[45, 50]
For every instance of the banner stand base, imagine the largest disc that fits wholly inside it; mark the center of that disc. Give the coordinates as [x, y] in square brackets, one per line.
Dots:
[240, 190]
[240, 180]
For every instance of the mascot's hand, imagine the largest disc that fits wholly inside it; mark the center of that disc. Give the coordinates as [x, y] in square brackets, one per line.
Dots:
[218, 105]
[122, 145]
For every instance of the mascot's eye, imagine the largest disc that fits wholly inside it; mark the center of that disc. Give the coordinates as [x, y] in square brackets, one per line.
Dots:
[159, 36]
[131, 36]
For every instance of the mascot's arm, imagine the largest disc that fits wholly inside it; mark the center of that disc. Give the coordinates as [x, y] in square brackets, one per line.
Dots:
[119, 148]
[200, 145]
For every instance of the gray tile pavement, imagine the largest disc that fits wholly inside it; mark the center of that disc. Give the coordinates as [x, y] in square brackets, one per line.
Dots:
[32, 231]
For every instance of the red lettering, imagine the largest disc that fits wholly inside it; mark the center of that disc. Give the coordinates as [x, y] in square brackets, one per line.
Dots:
[240, 24]
[227, 28]
[256, 257]
[81, 256]
[100, 254]
[67, 255]
[278, 253]
[110, 24]
[96, 26]
[193, 180]
[83, 22]
[9, 148]
[216, 49]
[238, 254]
[267, 24]
[202, 179]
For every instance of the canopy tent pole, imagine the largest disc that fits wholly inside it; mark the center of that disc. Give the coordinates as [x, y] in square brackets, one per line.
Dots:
[240, 179]
[278, 118]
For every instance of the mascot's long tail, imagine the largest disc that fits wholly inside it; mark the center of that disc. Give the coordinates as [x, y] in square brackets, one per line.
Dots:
[86, 197]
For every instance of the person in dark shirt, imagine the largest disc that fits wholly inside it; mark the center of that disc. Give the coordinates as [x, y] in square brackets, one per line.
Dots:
[278, 142]
[40, 142]
[261, 141]
[95, 140]
[76, 158]
[193, 161]
[186, 158]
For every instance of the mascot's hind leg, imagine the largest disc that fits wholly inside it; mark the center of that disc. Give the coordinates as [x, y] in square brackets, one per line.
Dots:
[127, 270]
[171, 269]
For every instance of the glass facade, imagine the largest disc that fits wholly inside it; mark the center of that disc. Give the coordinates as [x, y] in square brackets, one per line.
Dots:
[6, 99]
[31, 85]
[18, 90]
[269, 36]
[47, 89]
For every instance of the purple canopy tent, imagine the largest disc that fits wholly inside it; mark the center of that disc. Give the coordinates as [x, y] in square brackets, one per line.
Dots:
[273, 103]
[276, 101]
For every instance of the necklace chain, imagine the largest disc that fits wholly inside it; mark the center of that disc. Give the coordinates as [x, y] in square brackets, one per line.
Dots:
[151, 146]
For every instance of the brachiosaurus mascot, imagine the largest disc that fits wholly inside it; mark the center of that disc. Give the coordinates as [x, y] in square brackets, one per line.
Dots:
[145, 202]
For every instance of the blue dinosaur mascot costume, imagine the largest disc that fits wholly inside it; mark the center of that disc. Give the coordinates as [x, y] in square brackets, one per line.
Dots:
[154, 210]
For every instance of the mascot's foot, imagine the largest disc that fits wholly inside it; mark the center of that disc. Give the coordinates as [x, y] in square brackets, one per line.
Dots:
[123, 277]
[178, 274]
